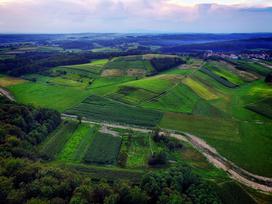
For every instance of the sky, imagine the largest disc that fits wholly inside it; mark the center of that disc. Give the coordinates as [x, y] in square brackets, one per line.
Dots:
[135, 16]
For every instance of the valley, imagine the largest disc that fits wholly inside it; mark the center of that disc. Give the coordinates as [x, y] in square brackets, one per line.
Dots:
[125, 116]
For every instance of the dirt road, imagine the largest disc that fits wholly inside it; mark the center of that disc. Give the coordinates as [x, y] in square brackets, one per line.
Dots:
[246, 178]
[6, 94]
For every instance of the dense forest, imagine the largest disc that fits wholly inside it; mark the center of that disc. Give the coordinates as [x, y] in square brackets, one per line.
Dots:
[23, 181]
[22, 127]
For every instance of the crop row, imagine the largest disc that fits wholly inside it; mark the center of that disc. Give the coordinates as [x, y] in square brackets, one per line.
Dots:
[220, 79]
[103, 150]
[103, 109]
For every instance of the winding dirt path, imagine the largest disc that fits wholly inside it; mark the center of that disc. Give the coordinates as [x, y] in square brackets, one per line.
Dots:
[248, 179]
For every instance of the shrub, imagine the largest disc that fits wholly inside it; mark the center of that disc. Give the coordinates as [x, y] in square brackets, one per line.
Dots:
[158, 159]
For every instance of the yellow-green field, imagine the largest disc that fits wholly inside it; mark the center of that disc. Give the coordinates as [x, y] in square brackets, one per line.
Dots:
[200, 89]
[6, 81]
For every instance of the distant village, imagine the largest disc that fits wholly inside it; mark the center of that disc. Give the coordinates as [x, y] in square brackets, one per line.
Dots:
[257, 55]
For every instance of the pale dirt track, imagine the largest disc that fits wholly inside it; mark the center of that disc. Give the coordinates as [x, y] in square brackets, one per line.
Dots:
[246, 178]
[5, 93]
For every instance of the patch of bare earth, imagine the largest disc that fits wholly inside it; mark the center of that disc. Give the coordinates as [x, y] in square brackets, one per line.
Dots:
[106, 130]
[135, 72]
[112, 73]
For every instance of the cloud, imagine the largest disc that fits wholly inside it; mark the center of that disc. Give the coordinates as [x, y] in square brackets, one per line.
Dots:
[47, 16]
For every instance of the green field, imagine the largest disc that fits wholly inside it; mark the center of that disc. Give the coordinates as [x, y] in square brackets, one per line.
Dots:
[178, 99]
[157, 84]
[104, 149]
[38, 94]
[233, 193]
[236, 121]
[143, 90]
[109, 81]
[138, 147]
[262, 107]
[57, 140]
[94, 67]
[103, 109]
[253, 67]
[237, 141]
[221, 70]
[200, 89]
[75, 148]
[135, 62]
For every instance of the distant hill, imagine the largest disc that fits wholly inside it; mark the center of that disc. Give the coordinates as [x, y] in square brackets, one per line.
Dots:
[225, 46]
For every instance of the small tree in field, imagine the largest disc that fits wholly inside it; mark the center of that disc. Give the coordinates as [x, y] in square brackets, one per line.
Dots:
[79, 118]
[268, 78]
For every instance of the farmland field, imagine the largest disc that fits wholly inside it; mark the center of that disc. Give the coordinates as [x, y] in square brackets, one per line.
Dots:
[179, 99]
[200, 89]
[94, 67]
[222, 71]
[233, 193]
[253, 67]
[221, 77]
[6, 81]
[38, 93]
[262, 107]
[138, 147]
[103, 109]
[155, 84]
[57, 140]
[103, 150]
[238, 141]
[77, 145]
[136, 62]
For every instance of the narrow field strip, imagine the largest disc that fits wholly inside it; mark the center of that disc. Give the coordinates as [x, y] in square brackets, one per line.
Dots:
[200, 89]
[71, 146]
[85, 143]
[58, 138]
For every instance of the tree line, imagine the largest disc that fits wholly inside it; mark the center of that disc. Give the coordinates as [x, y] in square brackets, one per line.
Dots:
[24, 181]
[23, 127]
